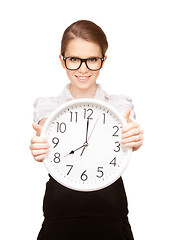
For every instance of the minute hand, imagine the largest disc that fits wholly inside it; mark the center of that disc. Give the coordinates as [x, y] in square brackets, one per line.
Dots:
[90, 134]
[86, 140]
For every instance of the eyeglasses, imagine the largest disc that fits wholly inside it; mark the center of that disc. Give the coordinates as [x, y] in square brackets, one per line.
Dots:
[74, 63]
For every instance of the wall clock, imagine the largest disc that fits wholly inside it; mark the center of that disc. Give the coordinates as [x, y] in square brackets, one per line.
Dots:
[85, 150]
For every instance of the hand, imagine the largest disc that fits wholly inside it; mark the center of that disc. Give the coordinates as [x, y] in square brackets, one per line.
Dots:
[39, 146]
[132, 134]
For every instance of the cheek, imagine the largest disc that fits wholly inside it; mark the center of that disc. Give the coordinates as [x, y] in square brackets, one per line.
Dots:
[70, 74]
[96, 74]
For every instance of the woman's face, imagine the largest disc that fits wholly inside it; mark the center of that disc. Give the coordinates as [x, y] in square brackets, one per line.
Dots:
[82, 78]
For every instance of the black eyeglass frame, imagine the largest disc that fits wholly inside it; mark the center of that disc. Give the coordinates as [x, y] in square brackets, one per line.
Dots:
[84, 60]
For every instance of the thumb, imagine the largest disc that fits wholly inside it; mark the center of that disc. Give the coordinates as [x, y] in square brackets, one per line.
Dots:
[37, 128]
[127, 115]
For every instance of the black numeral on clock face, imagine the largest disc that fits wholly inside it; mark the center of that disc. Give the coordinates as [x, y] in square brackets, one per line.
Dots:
[55, 140]
[61, 127]
[116, 128]
[99, 170]
[73, 116]
[113, 162]
[117, 147]
[104, 115]
[88, 113]
[84, 176]
[71, 166]
[56, 157]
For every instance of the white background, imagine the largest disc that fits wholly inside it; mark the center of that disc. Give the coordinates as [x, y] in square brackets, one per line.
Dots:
[139, 64]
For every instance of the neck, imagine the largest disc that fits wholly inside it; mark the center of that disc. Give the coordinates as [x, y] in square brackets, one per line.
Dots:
[83, 93]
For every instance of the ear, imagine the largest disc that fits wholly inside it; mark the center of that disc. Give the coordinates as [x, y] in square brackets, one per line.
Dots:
[62, 61]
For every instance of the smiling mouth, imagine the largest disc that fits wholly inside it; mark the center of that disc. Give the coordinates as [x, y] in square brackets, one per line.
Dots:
[83, 78]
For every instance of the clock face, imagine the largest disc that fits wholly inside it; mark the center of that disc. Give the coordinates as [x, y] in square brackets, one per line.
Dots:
[85, 151]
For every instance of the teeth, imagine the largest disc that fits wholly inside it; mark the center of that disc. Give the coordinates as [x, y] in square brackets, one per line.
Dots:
[83, 78]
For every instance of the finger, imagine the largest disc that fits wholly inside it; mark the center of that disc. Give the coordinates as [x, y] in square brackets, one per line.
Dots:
[40, 152]
[37, 128]
[40, 158]
[130, 126]
[135, 138]
[127, 114]
[37, 139]
[38, 146]
[134, 145]
[132, 132]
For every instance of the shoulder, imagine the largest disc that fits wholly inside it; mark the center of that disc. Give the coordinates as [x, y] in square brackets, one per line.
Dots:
[54, 101]
[122, 103]
[112, 99]
[44, 106]
[46, 101]
[120, 99]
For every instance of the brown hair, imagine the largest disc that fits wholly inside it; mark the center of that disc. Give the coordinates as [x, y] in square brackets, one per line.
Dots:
[86, 30]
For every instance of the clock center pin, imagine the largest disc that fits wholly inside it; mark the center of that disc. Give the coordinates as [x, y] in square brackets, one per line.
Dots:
[85, 144]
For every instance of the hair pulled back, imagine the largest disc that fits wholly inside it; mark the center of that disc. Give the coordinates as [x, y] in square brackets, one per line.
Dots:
[85, 30]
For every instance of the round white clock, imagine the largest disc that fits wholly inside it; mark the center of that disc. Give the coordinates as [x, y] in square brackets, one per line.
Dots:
[85, 150]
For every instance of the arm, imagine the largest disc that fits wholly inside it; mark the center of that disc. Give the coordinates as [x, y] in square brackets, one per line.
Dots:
[39, 146]
[132, 134]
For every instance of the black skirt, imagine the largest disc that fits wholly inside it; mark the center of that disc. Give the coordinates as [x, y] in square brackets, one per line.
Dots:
[79, 215]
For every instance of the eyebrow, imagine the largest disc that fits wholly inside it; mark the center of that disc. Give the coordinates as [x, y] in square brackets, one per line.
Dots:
[84, 58]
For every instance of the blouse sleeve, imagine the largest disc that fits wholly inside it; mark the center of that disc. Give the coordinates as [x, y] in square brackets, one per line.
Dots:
[44, 107]
[122, 103]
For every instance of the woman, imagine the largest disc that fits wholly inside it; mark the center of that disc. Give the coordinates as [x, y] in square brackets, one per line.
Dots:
[84, 215]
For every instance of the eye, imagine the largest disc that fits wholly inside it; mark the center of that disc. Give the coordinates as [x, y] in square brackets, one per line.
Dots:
[74, 59]
[92, 60]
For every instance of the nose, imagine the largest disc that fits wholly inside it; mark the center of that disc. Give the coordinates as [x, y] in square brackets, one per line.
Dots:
[83, 68]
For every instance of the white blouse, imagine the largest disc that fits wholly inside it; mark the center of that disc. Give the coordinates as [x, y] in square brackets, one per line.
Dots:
[46, 105]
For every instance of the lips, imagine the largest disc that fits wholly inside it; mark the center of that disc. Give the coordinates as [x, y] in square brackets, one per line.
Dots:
[83, 78]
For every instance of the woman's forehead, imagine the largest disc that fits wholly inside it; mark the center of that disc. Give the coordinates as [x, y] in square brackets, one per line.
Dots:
[81, 48]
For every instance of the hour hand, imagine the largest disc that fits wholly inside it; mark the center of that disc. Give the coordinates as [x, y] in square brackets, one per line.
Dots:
[73, 151]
